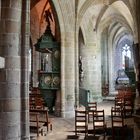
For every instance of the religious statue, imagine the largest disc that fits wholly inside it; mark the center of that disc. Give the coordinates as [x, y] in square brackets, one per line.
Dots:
[48, 16]
[80, 68]
[80, 65]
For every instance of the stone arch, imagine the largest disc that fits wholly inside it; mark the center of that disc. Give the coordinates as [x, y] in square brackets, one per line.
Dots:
[40, 7]
[114, 18]
[124, 27]
[128, 14]
[83, 9]
[61, 38]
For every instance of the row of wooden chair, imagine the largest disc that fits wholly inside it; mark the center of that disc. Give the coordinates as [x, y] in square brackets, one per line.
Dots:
[39, 116]
[83, 117]
[125, 101]
[98, 119]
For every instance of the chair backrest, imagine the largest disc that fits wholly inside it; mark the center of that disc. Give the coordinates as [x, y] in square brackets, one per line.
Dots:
[117, 117]
[128, 106]
[99, 125]
[128, 100]
[39, 103]
[36, 101]
[81, 122]
[119, 102]
[32, 101]
[98, 118]
[92, 106]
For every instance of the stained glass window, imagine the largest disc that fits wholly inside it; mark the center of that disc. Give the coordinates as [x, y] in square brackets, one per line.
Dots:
[125, 52]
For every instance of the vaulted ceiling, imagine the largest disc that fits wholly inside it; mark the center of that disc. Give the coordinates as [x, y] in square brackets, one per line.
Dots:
[115, 15]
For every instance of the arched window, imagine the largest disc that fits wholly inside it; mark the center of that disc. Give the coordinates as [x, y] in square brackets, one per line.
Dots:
[126, 52]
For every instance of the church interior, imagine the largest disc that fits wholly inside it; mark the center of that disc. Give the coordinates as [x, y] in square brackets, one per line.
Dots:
[62, 58]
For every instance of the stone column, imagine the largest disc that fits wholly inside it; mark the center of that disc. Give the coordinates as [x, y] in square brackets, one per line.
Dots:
[68, 76]
[12, 106]
[25, 39]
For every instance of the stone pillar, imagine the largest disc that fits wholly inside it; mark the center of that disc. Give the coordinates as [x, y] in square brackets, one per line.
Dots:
[25, 39]
[2, 62]
[68, 76]
[12, 105]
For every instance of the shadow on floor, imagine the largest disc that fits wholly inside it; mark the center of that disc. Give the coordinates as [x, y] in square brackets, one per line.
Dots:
[128, 134]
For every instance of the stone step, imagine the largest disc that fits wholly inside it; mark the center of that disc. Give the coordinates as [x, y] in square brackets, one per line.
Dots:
[109, 98]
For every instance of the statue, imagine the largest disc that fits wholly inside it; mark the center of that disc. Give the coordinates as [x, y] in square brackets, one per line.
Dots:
[48, 16]
[81, 75]
[80, 65]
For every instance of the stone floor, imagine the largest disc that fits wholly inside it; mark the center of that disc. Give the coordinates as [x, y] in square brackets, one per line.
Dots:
[63, 129]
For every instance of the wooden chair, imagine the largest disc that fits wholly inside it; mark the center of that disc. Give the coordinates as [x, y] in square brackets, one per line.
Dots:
[92, 106]
[38, 119]
[119, 102]
[36, 101]
[81, 123]
[128, 106]
[31, 101]
[117, 119]
[99, 125]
